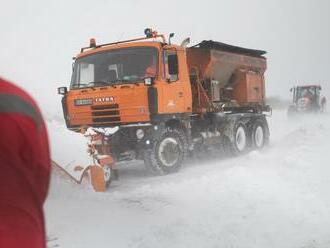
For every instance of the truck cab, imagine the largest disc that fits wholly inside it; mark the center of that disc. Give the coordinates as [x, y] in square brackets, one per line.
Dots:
[127, 83]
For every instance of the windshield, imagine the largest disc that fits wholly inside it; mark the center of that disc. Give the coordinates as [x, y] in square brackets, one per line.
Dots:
[119, 66]
[308, 92]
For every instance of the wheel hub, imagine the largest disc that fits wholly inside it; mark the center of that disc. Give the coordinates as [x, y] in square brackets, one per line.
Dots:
[169, 152]
[240, 139]
[259, 136]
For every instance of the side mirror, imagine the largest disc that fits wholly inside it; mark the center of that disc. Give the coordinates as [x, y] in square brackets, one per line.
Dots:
[173, 64]
[185, 42]
[62, 90]
[170, 37]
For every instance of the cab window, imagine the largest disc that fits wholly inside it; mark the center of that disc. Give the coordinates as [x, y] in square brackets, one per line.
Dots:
[171, 65]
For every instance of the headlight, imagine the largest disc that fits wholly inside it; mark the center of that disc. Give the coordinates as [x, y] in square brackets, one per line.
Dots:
[81, 102]
[139, 133]
[149, 81]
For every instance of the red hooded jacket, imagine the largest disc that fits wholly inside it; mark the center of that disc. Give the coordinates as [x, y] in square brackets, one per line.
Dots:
[24, 169]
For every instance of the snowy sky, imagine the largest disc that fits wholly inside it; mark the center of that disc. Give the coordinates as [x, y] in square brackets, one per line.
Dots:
[39, 37]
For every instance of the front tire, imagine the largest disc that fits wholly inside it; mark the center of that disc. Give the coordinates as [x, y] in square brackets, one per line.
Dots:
[168, 152]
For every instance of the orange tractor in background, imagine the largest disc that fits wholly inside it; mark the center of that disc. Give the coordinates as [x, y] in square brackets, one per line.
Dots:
[156, 101]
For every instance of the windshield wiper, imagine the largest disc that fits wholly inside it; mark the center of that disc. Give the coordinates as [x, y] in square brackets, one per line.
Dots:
[97, 83]
[91, 85]
[112, 83]
[122, 81]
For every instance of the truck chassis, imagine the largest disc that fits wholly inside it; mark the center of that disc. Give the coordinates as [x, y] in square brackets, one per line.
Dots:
[160, 103]
[164, 145]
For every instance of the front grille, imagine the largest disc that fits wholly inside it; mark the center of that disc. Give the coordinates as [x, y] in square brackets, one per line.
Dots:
[101, 113]
[106, 113]
[108, 106]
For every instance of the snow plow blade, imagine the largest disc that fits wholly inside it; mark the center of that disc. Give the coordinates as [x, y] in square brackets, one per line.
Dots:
[97, 178]
[74, 173]
[99, 171]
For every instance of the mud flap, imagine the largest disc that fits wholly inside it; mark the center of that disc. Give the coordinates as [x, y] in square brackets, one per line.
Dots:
[228, 131]
[97, 178]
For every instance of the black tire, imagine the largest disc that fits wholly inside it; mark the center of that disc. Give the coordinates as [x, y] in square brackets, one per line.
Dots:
[239, 143]
[259, 134]
[168, 152]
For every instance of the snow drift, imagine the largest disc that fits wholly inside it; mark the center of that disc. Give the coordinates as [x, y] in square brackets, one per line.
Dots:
[278, 197]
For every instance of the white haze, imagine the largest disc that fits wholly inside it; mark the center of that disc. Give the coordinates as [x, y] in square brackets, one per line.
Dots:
[278, 197]
[275, 198]
[39, 37]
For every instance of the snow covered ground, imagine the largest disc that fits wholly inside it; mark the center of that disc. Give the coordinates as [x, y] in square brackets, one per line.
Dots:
[279, 197]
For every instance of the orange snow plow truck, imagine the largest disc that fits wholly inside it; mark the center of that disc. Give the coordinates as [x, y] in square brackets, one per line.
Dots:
[148, 99]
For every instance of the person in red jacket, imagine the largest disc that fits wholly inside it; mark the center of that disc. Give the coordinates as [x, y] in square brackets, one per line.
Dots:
[24, 169]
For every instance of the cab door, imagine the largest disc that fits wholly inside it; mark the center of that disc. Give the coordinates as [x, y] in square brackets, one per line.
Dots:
[171, 95]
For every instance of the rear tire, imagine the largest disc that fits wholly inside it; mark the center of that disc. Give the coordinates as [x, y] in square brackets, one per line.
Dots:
[259, 134]
[239, 143]
[168, 152]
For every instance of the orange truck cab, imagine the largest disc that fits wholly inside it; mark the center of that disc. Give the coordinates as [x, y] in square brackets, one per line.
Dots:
[168, 100]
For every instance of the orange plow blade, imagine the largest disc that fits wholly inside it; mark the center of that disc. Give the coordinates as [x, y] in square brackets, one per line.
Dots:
[97, 178]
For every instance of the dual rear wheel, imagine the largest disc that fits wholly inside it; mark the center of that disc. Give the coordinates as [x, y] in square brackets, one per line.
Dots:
[259, 134]
[254, 136]
[170, 148]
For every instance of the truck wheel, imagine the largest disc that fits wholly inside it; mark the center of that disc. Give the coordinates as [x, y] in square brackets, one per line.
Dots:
[259, 136]
[167, 153]
[239, 142]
